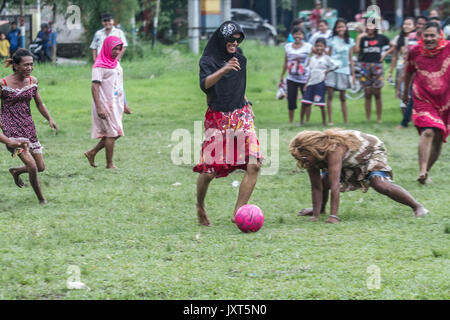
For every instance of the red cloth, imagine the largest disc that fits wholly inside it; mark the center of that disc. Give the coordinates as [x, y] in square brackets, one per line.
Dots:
[230, 142]
[105, 59]
[431, 88]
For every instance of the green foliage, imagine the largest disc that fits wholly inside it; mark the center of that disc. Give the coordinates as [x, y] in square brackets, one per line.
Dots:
[445, 7]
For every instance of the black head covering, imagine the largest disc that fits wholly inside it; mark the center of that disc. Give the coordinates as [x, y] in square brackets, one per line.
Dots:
[229, 92]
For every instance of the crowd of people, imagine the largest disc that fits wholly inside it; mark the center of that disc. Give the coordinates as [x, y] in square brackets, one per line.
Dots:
[336, 160]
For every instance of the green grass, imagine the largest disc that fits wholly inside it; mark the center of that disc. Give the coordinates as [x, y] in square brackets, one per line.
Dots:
[135, 236]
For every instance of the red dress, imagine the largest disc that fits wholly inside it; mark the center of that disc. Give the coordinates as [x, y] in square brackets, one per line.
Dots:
[230, 142]
[431, 89]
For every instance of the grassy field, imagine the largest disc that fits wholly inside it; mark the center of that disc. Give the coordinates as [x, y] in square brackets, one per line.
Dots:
[133, 234]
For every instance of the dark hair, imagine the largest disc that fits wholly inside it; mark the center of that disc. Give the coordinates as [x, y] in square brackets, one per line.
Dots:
[297, 22]
[401, 38]
[321, 40]
[297, 29]
[422, 17]
[323, 21]
[436, 19]
[17, 57]
[376, 30]
[432, 24]
[346, 34]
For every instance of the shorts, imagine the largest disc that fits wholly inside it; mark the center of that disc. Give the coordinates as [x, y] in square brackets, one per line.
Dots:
[33, 148]
[338, 81]
[372, 75]
[315, 94]
[292, 93]
[371, 175]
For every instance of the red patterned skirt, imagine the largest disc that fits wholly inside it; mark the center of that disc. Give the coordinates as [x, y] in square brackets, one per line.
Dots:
[230, 142]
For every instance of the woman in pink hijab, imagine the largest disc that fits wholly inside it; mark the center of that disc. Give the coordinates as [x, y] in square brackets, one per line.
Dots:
[108, 100]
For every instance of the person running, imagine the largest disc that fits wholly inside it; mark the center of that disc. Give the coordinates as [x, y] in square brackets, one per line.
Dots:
[319, 65]
[413, 39]
[428, 64]
[349, 160]
[398, 60]
[295, 61]
[230, 138]
[370, 45]
[11, 144]
[107, 101]
[341, 48]
[16, 91]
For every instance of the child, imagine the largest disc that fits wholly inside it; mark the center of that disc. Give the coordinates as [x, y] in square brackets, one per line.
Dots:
[4, 46]
[319, 65]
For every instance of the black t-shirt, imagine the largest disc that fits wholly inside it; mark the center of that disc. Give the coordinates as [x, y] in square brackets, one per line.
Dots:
[371, 48]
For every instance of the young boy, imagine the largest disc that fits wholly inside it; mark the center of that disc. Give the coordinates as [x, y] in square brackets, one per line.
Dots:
[319, 65]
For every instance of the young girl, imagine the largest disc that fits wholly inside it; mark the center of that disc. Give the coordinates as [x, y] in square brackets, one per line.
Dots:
[319, 65]
[369, 45]
[398, 60]
[349, 160]
[108, 101]
[340, 48]
[4, 46]
[295, 62]
[16, 92]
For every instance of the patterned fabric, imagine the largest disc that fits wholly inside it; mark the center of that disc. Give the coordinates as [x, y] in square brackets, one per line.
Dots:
[358, 164]
[297, 59]
[16, 119]
[372, 75]
[230, 142]
[430, 89]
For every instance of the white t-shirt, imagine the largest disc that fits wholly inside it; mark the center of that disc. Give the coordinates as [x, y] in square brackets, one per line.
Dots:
[318, 66]
[100, 36]
[318, 35]
[297, 60]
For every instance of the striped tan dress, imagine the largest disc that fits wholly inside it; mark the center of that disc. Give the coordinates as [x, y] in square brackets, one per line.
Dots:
[357, 164]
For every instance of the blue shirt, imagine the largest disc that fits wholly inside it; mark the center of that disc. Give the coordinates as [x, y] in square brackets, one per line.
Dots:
[340, 52]
[13, 38]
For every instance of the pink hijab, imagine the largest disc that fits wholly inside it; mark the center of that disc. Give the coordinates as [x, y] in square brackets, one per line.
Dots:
[105, 59]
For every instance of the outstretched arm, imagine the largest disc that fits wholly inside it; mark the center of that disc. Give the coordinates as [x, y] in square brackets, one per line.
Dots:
[316, 191]
[44, 111]
[334, 174]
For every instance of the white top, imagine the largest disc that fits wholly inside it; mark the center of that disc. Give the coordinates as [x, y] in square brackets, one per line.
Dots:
[318, 35]
[318, 66]
[100, 36]
[297, 61]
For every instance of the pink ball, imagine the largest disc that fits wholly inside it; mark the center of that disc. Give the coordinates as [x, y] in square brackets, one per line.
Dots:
[249, 218]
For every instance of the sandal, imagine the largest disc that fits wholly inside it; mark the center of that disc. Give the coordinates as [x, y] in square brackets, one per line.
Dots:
[334, 217]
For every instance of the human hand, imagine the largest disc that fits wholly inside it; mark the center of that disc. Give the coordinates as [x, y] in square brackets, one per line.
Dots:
[53, 126]
[406, 97]
[18, 144]
[232, 64]
[101, 113]
[127, 109]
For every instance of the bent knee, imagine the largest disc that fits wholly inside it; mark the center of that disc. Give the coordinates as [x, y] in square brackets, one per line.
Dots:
[380, 184]
[428, 133]
[41, 168]
[254, 168]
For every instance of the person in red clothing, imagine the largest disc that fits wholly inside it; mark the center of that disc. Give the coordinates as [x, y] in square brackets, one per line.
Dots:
[315, 17]
[428, 63]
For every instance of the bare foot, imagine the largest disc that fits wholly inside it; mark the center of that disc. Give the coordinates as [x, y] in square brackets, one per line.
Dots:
[379, 121]
[90, 158]
[401, 127]
[313, 219]
[43, 201]
[127, 109]
[203, 219]
[17, 179]
[423, 177]
[420, 212]
[305, 212]
[330, 123]
[333, 220]
[233, 219]
[111, 166]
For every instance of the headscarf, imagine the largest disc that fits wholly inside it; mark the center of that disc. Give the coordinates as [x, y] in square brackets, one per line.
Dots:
[105, 59]
[430, 53]
[229, 92]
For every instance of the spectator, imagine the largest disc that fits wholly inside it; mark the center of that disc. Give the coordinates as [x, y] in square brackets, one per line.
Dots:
[13, 38]
[53, 41]
[44, 34]
[297, 23]
[108, 30]
[315, 17]
[323, 32]
[4, 46]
